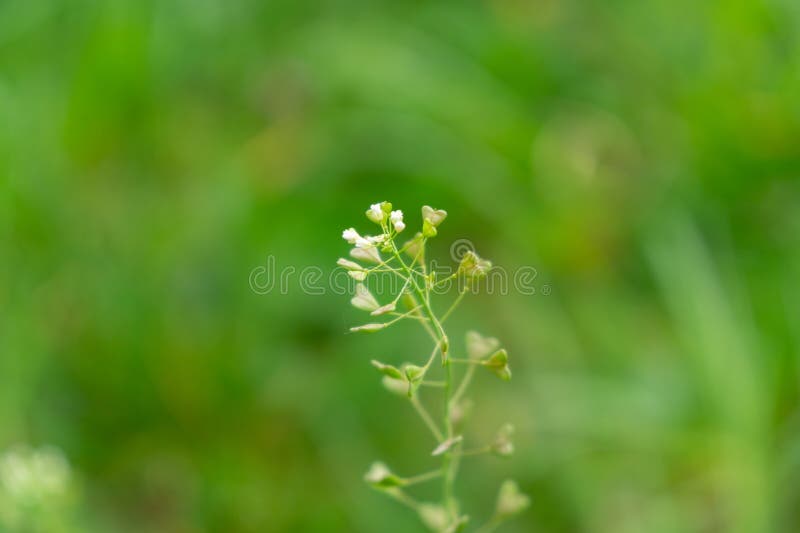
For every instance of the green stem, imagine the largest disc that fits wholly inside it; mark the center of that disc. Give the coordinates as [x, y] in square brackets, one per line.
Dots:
[447, 461]
[453, 306]
[426, 417]
[423, 477]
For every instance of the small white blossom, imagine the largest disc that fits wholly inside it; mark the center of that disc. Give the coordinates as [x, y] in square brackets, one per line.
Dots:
[376, 212]
[350, 235]
[397, 220]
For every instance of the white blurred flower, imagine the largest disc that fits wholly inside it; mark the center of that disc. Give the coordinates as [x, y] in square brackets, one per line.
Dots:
[397, 220]
[350, 235]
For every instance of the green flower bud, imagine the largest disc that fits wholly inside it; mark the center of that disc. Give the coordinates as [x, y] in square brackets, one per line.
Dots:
[388, 370]
[368, 328]
[433, 216]
[380, 477]
[498, 363]
[382, 310]
[502, 445]
[447, 445]
[478, 346]
[510, 501]
[363, 299]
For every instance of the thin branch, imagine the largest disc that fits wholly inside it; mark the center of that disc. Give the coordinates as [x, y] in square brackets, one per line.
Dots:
[426, 417]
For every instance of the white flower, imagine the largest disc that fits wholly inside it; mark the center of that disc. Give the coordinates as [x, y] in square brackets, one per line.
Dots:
[397, 220]
[377, 212]
[350, 235]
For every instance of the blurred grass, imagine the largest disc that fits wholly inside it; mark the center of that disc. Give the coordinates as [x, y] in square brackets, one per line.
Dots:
[643, 156]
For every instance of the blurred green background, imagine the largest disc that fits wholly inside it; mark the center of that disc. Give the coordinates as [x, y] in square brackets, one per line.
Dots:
[643, 156]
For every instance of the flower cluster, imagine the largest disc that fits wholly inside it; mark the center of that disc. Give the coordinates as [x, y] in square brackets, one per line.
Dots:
[35, 490]
[380, 253]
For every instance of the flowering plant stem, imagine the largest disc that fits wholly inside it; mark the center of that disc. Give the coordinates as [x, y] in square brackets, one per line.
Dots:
[418, 284]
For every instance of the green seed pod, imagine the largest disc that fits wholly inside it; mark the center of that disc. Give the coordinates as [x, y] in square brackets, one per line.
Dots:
[498, 363]
[387, 370]
[510, 501]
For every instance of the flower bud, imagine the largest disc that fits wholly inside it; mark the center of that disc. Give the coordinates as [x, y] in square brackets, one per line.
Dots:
[378, 213]
[510, 501]
[502, 445]
[396, 218]
[368, 328]
[387, 370]
[447, 445]
[380, 477]
[498, 363]
[479, 346]
[363, 299]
